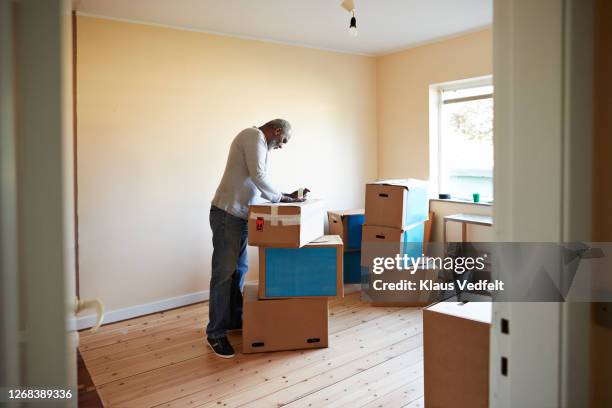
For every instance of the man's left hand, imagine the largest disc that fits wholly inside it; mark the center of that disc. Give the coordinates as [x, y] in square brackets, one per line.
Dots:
[295, 194]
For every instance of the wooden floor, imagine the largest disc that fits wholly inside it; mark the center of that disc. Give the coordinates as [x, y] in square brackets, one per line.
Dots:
[374, 359]
[88, 396]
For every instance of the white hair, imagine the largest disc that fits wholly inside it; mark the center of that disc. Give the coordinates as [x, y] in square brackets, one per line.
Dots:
[281, 124]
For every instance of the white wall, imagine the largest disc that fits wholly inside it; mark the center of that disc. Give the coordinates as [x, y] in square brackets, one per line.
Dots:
[158, 108]
[403, 82]
[475, 233]
[157, 111]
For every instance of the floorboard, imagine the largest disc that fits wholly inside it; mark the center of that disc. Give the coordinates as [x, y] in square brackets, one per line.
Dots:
[374, 359]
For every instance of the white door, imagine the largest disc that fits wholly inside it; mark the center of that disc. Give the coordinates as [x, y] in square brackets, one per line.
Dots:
[9, 320]
[543, 110]
[37, 235]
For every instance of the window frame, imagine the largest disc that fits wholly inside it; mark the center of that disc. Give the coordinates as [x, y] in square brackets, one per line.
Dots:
[435, 125]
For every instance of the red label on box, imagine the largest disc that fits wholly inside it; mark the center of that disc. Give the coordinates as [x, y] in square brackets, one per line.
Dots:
[259, 224]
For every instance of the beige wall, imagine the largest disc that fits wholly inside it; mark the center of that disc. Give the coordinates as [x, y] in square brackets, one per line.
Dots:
[157, 110]
[403, 81]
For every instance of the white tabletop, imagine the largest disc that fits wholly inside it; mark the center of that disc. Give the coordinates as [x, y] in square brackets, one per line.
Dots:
[471, 219]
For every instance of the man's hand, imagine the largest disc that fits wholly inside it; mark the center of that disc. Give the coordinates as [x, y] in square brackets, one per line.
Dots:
[289, 199]
[295, 194]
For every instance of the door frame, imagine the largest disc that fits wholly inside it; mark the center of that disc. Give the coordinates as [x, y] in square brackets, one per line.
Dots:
[37, 211]
[9, 320]
[542, 113]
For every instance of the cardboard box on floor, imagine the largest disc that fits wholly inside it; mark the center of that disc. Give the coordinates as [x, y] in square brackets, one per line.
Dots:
[418, 297]
[282, 324]
[396, 203]
[315, 270]
[456, 354]
[286, 225]
[347, 224]
[387, 242]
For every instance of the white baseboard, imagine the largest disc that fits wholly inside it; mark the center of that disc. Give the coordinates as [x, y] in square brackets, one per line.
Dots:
[111, 316]
[84, 322]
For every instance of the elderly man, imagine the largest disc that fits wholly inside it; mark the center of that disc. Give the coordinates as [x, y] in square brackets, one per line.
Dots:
[244, 180]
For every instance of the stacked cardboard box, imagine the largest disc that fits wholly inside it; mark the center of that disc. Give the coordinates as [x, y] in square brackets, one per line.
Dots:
[396, 212]
[315, 270]
[348, 225]
[299, 270]
[285, 225]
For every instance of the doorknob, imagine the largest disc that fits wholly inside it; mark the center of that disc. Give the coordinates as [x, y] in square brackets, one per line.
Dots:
[96, 304]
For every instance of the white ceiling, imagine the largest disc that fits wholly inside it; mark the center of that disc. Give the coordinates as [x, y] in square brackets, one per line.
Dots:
[384, 25]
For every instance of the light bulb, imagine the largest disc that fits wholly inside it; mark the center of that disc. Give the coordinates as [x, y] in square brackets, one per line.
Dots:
[353, 26]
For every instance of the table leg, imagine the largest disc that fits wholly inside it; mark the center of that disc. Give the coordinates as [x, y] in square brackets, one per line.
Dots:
[444, 239]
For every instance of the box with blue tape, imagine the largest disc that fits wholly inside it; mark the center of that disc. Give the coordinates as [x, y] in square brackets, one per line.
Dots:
[381, 243]
[347, 224]
[388, 242]
[315, 270]
[352, 266]
[396, 203]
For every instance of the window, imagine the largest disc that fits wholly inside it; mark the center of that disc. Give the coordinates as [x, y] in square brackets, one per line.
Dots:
[461, 139]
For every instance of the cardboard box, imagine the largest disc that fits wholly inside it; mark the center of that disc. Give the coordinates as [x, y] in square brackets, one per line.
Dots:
[456, 354]
[347, 224]
[352, 266]
[396, 203]
[282, 324]
[415, 297]
[388, 242]
[286, 225]
[315, 270]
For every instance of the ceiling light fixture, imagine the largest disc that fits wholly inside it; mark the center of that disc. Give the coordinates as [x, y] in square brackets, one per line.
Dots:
[349, 6]
[353, 26]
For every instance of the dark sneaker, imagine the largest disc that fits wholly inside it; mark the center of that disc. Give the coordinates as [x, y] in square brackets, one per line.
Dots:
[221, 347]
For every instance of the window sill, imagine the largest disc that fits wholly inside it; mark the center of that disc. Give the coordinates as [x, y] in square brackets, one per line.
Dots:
[457, 201]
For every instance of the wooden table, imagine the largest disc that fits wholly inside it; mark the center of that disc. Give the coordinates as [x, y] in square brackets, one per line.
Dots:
[465, 219]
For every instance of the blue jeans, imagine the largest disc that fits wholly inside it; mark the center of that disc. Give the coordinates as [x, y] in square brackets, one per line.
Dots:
[229, 267]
